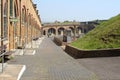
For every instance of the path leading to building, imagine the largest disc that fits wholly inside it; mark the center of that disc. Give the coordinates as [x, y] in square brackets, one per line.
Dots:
[51, 63]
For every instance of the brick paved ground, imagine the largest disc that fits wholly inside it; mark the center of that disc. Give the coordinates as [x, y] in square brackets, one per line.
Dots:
[51, 63]
[106, 68]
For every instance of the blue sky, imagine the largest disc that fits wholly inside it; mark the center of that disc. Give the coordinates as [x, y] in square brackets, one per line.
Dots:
[79, 10]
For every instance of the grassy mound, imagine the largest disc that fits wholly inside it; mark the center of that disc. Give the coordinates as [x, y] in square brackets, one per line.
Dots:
[105, 35]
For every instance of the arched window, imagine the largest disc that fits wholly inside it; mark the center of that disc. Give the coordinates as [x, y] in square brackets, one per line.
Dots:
[29, 16]
[15, 11]
[23, 15]
[15, 16]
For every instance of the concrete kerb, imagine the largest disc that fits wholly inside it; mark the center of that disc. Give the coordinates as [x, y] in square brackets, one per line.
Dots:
[21, 72]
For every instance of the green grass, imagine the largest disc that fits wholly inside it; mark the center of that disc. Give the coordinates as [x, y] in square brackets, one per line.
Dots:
[105, 35]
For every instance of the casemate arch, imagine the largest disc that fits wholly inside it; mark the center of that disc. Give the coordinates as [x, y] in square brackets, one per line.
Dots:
[51, 31]
[61, 31]
[73, 28]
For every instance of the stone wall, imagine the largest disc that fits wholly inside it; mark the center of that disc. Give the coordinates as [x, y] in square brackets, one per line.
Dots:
[58, 41]
[77, 53]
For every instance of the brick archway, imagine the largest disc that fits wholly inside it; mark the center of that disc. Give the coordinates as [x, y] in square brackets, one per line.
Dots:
[61, 30]
[79, 30]
[52, 31]
[72, 30]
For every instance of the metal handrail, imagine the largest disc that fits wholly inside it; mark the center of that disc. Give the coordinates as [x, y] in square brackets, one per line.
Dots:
[2, 53]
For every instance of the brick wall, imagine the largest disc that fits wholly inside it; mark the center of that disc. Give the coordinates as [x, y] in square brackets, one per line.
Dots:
[77, 53]
[58, 41]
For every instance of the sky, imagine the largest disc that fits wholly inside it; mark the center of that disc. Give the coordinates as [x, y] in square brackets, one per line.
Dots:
[78, 10]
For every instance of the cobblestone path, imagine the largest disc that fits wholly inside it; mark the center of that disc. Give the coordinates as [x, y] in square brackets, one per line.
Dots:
[51, 63]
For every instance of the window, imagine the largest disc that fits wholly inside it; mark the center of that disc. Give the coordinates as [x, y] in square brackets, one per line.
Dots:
[23, 15]
[15, 11]
[11, 7]
[5, 20]
[28, 19]
[15, 23]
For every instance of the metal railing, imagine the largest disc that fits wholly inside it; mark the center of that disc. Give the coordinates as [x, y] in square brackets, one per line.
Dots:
[2, 53]
[2, 56]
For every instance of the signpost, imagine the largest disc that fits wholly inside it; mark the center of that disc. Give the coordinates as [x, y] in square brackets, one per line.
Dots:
[14, 20]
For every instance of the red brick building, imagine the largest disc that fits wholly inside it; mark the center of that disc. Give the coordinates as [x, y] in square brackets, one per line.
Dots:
[19, 23]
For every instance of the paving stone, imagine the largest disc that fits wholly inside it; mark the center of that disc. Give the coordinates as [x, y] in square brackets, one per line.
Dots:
[12, 72]
[51, 63]
[106, 68]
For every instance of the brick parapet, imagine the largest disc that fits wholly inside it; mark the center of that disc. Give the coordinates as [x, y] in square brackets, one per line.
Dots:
[77, 53]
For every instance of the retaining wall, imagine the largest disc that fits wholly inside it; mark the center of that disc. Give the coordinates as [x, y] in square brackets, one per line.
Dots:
[58, 41]
[77, 53]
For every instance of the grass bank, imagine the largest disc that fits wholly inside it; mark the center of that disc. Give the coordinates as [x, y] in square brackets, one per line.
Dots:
[104, 36]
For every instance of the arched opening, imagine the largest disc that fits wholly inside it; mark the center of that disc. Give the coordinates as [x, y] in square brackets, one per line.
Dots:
[23, 27]
[61, 31]
[4, 23]
[71, 31]
[44, 32]
[16, 14]
[29, 28]
[79, 30]
[13, 27]
[51, 31]
[23, 15]
[15, 23]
